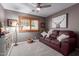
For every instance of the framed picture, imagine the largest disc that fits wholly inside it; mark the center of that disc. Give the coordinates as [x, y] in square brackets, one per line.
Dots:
[60, 21]
[11, 22]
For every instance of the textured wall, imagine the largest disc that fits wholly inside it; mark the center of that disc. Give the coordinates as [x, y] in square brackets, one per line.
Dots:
[2, 15]
[25, 35]
[73, 19]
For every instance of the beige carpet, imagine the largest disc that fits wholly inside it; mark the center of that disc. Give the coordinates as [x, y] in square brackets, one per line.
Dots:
[34, 49]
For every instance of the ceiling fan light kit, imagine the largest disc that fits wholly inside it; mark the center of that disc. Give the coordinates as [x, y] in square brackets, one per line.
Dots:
[38, 9]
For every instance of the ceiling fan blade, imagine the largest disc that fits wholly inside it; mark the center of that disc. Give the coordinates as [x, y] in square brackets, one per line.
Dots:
[29, 5]
[33, 4]
[45, 6]
[38, 4]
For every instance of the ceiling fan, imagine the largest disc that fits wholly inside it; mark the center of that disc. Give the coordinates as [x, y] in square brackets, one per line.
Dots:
[39, 6]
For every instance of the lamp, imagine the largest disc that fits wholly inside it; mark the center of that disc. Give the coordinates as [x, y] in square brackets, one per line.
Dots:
[0, 27]
[16, 34]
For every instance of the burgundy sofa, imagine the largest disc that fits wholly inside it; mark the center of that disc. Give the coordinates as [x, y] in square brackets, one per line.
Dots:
[66, 46]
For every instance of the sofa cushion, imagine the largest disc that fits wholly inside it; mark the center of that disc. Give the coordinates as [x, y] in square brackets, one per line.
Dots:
[55, 32]
[70, 33]
[55, 42]
[48, 39]
[53, 36]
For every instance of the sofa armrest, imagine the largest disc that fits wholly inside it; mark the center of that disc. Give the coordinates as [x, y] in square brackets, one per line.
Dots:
[65, 48]
[67, 45]
[69, 40]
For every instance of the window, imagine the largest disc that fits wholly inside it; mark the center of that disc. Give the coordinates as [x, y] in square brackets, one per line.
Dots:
[24, 25]
[28, 24]
[34, 24]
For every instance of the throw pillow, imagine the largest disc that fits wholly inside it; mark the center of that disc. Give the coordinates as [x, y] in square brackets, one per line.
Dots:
[49, 32]
[44, 34]
[62, 36]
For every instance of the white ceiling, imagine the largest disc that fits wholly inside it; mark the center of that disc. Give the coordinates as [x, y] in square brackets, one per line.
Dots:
[44, 12]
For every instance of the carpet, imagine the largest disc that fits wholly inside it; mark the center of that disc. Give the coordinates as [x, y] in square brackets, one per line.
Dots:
[33, 49]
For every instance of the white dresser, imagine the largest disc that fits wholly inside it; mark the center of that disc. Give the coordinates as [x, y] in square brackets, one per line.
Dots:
[5, 44]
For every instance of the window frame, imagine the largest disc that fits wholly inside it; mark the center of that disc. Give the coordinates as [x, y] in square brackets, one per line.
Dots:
[28, 18]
